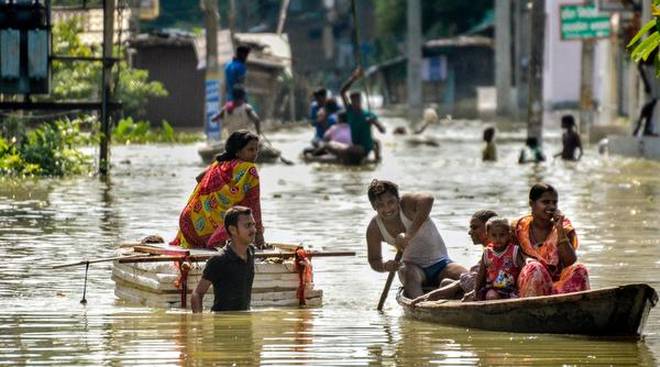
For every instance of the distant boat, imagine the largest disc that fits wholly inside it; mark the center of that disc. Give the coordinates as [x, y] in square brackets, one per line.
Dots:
[267, 154]
[615, 311]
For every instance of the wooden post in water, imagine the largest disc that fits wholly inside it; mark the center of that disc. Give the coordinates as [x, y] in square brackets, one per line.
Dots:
[106, 79]
[521, 48]
[282, 18]
[414, 67]
[503, 56]
[212, 78]
[535, 101]
[587, 86]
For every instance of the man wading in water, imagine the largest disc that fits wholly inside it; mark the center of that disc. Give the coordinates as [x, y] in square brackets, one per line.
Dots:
[405, 224]
[231, 271]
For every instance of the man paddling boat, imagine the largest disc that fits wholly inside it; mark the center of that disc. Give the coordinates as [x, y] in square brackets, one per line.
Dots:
[404, 223]
[232, 271]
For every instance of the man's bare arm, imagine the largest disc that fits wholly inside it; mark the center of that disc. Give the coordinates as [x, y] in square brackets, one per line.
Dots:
[357, 73]
[197, 297]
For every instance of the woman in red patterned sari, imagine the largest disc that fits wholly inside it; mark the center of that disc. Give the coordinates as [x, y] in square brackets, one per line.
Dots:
[550, 240]
[231, 180]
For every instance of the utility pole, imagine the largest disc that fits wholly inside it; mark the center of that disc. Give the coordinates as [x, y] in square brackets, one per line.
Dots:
[282, 18]
[232, 18]
[503, 56]
[414, 77]
[587, 86]
[535, 101]
[106, 80]
[212, 78]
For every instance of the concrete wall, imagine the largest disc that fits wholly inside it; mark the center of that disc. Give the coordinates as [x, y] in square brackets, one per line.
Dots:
[176, 68]
[562, 67]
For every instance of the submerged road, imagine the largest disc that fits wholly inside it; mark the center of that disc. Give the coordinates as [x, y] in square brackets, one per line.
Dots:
[613, 203]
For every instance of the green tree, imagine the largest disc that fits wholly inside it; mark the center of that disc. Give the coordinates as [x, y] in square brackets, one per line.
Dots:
[643, 48]
[82, 80]
[444, 18]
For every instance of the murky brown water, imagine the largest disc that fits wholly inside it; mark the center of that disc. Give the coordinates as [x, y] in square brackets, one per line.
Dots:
[613, 203]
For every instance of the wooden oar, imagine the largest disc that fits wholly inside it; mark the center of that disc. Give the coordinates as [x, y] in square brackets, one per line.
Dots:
[288, 162]
[199, 258]
[388, 283]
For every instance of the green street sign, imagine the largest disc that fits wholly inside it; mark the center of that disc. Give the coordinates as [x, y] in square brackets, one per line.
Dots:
[580, 22]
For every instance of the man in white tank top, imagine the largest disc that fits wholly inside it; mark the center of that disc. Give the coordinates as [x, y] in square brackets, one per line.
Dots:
[404, 223]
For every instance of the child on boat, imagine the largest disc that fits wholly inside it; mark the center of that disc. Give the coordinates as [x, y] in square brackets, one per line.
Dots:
[500, 264]
[464, 287]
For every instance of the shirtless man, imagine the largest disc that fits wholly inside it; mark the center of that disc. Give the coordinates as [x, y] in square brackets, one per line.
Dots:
[404, 223]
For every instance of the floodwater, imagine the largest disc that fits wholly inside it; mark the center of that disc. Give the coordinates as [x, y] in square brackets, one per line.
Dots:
[612, 201]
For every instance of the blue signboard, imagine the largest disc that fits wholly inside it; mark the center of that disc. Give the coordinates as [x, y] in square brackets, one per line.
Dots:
[212, 98]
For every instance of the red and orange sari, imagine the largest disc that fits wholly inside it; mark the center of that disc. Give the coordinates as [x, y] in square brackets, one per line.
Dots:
[225, 184]
[547, 275]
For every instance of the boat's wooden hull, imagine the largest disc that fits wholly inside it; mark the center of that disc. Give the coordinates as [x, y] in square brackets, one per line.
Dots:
[616, 311]
[331, 159]
[267, 154]
[153, 284]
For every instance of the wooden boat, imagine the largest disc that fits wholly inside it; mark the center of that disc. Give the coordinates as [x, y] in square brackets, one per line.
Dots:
[267, 154]
[615, 311]
[332, 159]
[154, 278]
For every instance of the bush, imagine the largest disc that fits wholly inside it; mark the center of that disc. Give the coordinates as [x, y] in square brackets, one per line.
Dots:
[49, 150]
[129, 131]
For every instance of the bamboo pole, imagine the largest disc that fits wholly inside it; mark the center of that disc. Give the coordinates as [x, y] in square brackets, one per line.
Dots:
[94, 261]
[200, 258]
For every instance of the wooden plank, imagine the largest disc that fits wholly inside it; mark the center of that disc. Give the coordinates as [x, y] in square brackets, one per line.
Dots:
[198, 258]
[155, 250]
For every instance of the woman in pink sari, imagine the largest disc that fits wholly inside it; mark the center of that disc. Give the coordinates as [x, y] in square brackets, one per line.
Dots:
[549, 240]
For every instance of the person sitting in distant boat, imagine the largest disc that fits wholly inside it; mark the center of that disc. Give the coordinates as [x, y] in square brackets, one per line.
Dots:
[532, 152]
[237, 114]
[320, 97]
[570, 140]
[336, 139]
[360, 122]
[489, 152]
[549, 239]
[327, 116]
[235, 71]
[404, 223]
[231, 180]
[231, 271]
[464, 287]
[500, 263]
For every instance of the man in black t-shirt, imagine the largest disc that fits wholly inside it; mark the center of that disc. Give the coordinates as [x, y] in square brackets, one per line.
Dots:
[232, 271]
